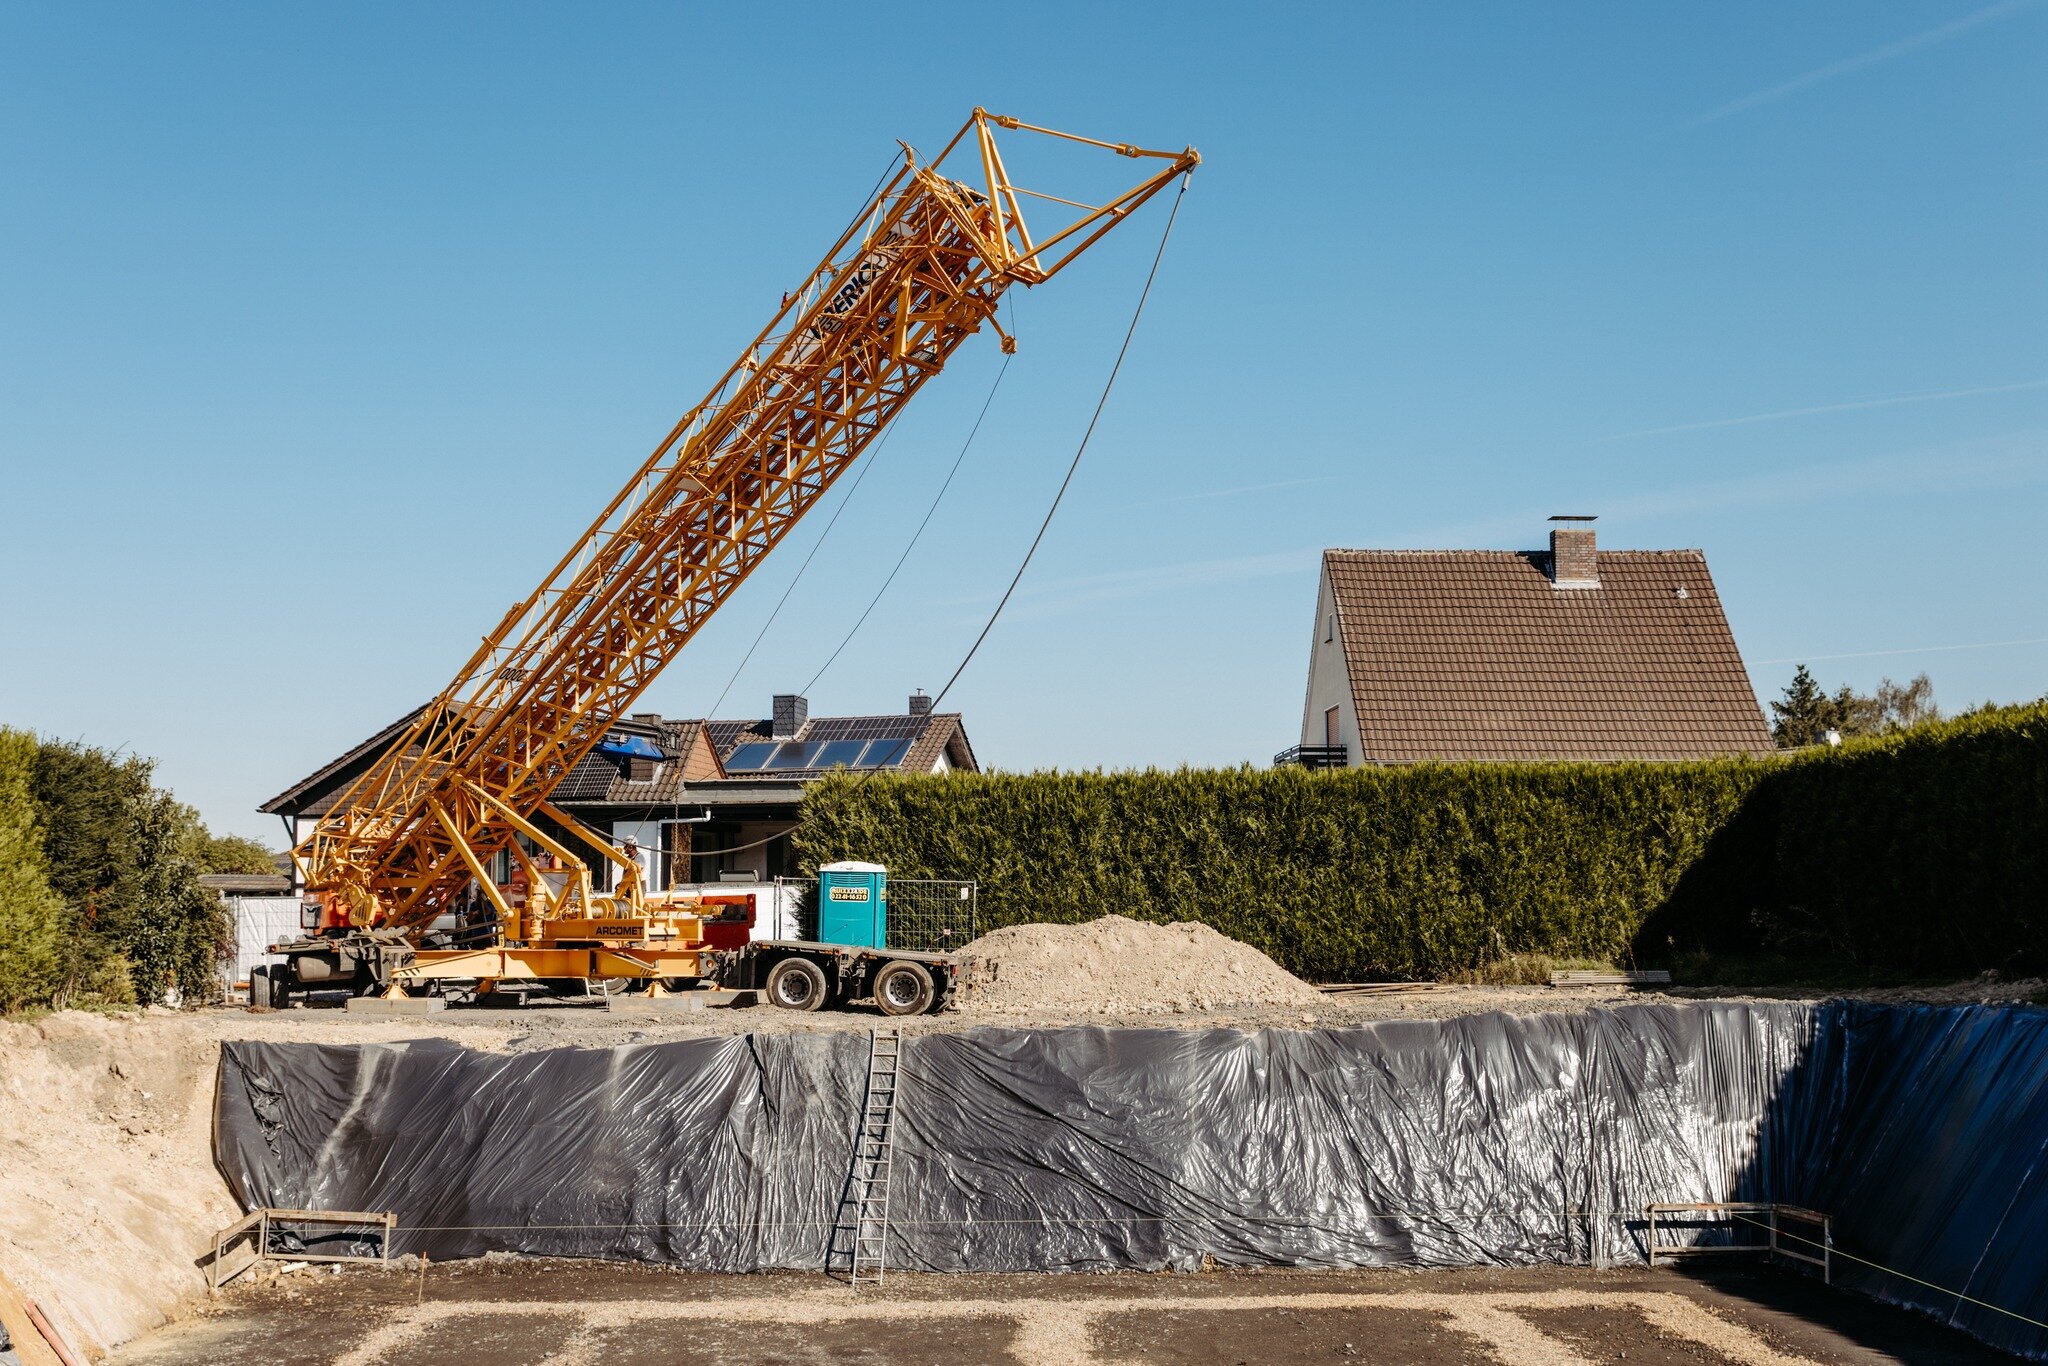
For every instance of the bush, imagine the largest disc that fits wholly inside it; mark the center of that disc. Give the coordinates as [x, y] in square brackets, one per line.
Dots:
[233, 854]
[1920, 850]
[124, 857]
[31, 913]
[107, 984]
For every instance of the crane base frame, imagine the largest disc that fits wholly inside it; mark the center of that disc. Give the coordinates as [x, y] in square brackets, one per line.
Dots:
[512, 963]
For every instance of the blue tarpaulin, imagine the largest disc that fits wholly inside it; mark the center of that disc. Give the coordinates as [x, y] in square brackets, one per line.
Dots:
[630, 746]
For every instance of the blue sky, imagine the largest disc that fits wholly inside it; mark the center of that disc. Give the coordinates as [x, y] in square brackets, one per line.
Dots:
[323, 330]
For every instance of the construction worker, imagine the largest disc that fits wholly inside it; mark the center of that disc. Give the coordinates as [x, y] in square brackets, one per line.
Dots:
[638, 872]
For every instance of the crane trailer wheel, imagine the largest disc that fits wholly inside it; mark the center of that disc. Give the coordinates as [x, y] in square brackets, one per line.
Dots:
[797, 984]
[903, 988]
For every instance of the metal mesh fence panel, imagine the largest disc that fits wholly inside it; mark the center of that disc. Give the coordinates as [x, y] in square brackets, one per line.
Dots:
[931, 916]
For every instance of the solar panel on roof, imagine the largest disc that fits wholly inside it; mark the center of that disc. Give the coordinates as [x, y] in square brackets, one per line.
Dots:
[750, 756]
[865, 728]
[884, 753]
[839, 754]
[792, 754]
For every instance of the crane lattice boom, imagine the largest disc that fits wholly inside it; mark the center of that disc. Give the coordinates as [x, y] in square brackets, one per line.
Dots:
[921, 269]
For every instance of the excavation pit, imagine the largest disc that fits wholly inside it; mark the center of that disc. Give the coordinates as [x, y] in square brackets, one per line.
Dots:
[681, 1149]
[1491, 1139]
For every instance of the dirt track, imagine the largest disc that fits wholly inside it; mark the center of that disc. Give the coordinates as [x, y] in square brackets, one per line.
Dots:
[595, 1025]
[512, 1311]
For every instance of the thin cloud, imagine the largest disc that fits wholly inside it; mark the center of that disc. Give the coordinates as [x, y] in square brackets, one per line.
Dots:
[1875, 57]
[2011, 460]
[1909, 650]
[1058, 596]
[1854, 406]
[2015, 460]
[1257, 488]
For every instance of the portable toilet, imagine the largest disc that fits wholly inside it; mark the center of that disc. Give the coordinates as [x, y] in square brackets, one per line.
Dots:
[853, 906]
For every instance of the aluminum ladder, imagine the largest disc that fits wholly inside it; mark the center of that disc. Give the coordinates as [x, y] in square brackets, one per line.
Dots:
[873, 1151]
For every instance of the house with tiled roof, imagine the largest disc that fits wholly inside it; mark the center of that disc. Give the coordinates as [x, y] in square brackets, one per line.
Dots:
[1574, 653]
[735, 826]
[703, 800]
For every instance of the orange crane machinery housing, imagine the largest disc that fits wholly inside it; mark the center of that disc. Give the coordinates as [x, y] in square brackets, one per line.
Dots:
[921, 269]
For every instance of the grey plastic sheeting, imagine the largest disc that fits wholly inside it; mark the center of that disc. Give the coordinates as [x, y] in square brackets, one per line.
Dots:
[1490, 1139]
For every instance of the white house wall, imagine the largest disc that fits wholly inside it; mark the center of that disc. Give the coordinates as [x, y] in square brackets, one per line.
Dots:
[1329, 681]
[302, 830]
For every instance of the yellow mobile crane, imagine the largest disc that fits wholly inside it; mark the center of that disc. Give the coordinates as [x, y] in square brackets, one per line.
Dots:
[921, 268]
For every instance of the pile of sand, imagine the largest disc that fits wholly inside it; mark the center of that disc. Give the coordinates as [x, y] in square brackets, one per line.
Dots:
[1118, 966]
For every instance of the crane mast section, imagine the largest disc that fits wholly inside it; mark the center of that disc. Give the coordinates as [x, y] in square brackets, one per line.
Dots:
[918, 272]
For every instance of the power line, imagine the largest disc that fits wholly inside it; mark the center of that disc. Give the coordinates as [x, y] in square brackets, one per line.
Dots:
[1100, 403]
[928, 512]
[1082, 449]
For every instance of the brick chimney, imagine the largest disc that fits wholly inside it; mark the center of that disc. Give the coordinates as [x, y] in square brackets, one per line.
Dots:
[1574, 563]
[920, 705]
[791, 711]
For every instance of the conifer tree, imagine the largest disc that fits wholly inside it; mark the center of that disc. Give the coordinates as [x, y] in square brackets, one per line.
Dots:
[1805, 714]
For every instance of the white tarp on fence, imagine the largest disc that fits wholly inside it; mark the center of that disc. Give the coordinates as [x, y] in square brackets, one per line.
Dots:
[259, 921]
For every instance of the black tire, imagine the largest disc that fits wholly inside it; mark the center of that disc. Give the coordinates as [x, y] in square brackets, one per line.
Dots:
[904, 988]
[259, 988]
[797, 984]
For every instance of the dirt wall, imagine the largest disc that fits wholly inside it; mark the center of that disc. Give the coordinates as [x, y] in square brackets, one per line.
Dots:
[107, 1185]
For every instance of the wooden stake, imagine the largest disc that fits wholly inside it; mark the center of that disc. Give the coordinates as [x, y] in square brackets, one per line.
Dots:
[22, 1331]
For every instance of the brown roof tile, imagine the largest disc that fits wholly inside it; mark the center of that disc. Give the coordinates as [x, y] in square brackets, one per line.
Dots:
[1474, 654]
[601, 778]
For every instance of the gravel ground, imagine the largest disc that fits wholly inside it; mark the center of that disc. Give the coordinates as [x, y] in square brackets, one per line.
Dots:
[510, 1310]
[594, 1025]
[558, 1025]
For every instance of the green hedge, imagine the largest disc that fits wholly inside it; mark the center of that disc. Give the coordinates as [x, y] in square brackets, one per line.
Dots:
[1922, 850]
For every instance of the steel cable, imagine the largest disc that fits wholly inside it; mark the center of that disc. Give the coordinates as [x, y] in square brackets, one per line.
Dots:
[1059, 495]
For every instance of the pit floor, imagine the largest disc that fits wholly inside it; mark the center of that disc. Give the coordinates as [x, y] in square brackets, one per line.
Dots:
[512, 1311]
